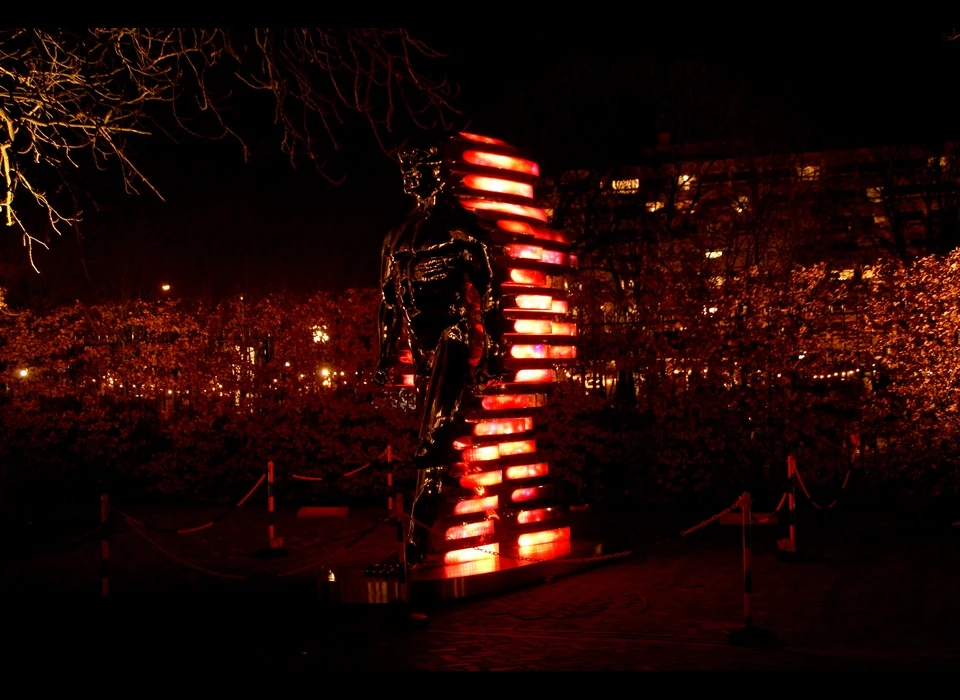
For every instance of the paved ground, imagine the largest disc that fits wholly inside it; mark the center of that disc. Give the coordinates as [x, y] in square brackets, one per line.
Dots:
[874, 593]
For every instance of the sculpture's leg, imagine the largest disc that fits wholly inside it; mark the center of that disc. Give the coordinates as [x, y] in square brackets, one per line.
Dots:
[448, 378]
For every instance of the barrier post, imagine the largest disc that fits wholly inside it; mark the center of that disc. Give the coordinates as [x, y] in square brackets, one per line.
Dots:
[401, 539]
[274, 546]
[749, 635]
[390, 478]
[104, 546]
[788, 547]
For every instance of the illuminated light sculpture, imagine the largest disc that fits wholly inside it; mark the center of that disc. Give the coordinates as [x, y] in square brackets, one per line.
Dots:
[474, 314]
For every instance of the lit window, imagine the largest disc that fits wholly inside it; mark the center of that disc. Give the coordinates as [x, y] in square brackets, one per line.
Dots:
[654, 206]
[712, 254]
[846, 275]
[741, 205]
[686, 182]
[867, 273]
[942, 161]
[320, 334]
[631, 185]
[880, 220]
[874, 194]
[809, 172]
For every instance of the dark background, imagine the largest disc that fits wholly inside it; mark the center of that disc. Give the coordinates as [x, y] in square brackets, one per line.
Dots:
[567, 96]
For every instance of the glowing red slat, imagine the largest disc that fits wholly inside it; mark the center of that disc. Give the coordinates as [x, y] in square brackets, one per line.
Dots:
[527, 471]
[476, 505]
[459, 556]
[551, 550]
[532, 539]
[522, 250]
[503, 426]
[517, 448]
[459, 532]
[559, 306]
[539, 302]
[529, 277]
[527, 494]
[408, 380]
[528, 326]
[471, 481]
[574, 261]
[406, 357]
[493, 160]
[535, 516]
[481, 454]
[506, 208]
[529, 229]
[543, 352]
[494, 403]
[564, 328]
[536, 376]
[554, 257]
[496, 184]
[483, 139]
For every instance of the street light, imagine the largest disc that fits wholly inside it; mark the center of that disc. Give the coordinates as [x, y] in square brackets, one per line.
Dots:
[165, 287]
[23, 373]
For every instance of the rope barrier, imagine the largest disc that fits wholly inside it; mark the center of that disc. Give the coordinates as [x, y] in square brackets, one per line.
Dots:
[197, 528]
[806, 493]
[303, 477]
[180, 560]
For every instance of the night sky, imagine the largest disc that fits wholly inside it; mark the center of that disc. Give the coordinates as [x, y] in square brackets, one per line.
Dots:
[568, 97]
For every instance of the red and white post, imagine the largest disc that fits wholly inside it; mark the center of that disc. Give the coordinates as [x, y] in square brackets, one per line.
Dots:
[792, 501]
[274, 546]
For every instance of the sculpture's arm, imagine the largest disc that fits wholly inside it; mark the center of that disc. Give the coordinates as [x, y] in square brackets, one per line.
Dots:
[388, 317]
[480, 275]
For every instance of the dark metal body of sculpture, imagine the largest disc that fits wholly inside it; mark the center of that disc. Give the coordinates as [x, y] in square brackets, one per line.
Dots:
[472, 285]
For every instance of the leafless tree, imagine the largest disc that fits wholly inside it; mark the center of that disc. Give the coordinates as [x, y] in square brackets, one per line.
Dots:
[73, 99]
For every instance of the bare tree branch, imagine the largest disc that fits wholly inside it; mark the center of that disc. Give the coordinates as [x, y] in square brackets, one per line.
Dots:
[75, 98]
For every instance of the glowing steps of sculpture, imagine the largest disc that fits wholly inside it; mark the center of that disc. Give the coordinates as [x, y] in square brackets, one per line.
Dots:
[514, 567]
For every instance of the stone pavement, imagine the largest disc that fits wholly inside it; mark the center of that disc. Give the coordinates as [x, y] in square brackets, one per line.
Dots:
[873, 594]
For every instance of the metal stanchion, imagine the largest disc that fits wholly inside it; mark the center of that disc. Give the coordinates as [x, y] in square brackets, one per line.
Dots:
[104, 546]
[749, 635]
[390, 493]
[274, 546]
[788, 546]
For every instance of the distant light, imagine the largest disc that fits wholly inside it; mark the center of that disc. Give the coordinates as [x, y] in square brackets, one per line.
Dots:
[286, 364]
[23, 373]
[714, 254]
[165, 287]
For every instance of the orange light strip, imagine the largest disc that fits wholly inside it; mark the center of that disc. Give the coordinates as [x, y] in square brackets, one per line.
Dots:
[406, 357]
[476, 505]
[528, 471]
[503, 426]
[564, 328]
[551, 550]
[408, 380]
[483, 139]
[559, 306]
[543, 352]
[528, 326]
[538, 515]
[493, 160]
[471, 481]
[459, 556]
[495, 184]
[517, 448]
[529, 277]
[528, 229]
[522, 250]
[506, 402]
[481, 454]
[539, 302]
[526, 494]
[459, 532]
[532, 539]
[536, 376]
[555, 257]
[506, 208]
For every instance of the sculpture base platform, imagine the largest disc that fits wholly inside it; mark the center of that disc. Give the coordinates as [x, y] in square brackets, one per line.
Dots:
[434, 583]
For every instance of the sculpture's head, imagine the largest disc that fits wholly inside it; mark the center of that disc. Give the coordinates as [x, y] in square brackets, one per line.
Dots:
[422, 172]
